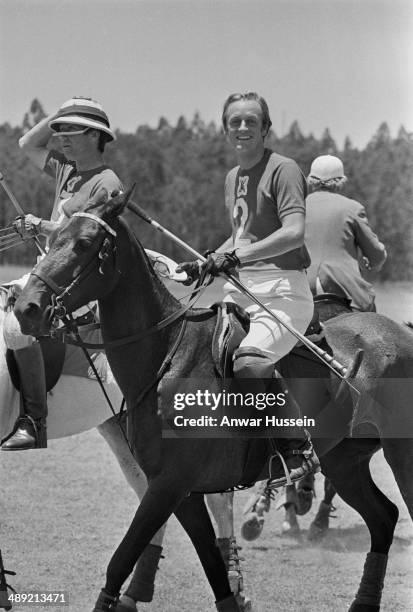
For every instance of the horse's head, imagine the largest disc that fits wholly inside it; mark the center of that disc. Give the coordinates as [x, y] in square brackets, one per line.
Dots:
[79, 267]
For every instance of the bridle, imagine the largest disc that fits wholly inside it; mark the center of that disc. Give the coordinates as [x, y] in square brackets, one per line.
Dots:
[59, 294]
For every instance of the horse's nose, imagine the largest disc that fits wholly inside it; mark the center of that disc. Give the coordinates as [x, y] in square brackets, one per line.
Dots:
[26, 311]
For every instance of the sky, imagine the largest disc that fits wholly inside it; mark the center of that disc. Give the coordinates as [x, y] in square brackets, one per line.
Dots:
[342, 64]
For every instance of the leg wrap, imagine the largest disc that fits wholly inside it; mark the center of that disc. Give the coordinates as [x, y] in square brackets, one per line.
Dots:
[229, 604]
[142, 585]
[371, 585]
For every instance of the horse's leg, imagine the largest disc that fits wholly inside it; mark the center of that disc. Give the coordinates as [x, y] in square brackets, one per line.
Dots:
[142, 584]
[194, 518]
[399, 455]
[348, 467]
[305, 494]
[221, 506]
[257, 504]
[289, 502]
[162, 497]
[320, 524]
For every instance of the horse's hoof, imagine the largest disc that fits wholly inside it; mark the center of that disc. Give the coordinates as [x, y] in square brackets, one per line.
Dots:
[106, 603]
[251, 529]
[320, 524]
[126, 604]
[315, 534]
[290, 530]
[244, 603]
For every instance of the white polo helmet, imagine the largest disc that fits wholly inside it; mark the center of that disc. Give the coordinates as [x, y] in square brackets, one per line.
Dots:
[327, 168]
[85, 112]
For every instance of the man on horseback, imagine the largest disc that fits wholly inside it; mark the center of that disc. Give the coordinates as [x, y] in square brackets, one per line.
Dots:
[82, 130]
[339, 238]
[265, 197]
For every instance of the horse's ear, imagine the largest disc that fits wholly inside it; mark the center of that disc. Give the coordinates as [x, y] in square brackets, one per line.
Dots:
[119, 201]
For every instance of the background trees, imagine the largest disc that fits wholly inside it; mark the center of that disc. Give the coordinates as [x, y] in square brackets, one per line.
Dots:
[179, 173]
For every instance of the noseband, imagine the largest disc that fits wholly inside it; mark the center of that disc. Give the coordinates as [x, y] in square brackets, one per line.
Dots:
[59, 294]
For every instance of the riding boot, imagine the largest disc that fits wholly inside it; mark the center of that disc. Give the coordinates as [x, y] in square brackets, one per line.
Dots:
[141, 587]
[30, 428]
[296, 454]
[255, 373]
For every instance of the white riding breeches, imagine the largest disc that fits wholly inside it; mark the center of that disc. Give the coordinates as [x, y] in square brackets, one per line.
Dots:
[287, 294]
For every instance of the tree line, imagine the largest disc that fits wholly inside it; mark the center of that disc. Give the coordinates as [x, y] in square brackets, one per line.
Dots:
[179, 172]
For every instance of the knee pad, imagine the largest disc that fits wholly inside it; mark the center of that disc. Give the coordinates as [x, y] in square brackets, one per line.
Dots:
[250, 362]
[13, 337]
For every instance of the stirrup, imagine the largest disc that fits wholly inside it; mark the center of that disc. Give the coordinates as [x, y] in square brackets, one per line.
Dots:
[310, 464]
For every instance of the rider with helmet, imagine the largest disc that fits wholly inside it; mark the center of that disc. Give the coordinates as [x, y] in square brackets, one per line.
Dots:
[81, 130]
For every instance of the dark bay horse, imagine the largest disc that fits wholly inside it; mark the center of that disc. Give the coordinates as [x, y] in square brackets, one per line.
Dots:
[95, 256]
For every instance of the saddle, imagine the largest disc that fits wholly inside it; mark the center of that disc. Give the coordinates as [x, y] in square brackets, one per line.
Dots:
[232, 325]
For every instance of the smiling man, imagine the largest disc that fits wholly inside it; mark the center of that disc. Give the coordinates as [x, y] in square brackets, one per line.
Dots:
[81, 129]
[265, 198]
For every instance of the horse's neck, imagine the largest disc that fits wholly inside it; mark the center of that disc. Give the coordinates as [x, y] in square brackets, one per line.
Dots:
[139, 300]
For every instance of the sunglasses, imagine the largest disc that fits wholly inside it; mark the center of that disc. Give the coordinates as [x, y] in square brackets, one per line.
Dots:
[70, 130]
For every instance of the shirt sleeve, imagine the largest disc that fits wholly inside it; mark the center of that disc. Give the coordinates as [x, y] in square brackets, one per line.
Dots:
[367, 240]
[109, 181]
[54, 162]
[289, 189]
[106, 179]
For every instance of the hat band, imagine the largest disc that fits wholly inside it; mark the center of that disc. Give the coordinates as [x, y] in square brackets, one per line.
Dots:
[80, 113]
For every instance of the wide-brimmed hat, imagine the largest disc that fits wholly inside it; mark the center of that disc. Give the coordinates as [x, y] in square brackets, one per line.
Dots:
[85, 112]
[326, 168]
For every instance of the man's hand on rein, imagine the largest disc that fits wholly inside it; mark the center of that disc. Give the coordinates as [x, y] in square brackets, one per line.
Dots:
[192, 270]
[27, 225]
[221, 263]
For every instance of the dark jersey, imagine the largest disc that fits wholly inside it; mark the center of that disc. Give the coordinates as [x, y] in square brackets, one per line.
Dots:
[74, 188]
[258, 199]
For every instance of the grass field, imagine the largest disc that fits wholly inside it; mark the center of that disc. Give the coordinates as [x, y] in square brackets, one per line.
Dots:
[64, 510]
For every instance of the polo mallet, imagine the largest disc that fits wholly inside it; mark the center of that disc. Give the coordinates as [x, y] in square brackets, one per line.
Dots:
[336, 367]
[18, 208]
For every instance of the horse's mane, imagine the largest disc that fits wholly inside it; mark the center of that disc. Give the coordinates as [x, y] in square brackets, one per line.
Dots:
[149, 265]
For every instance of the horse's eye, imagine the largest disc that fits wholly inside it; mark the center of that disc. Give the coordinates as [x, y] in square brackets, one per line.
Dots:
[82, 245]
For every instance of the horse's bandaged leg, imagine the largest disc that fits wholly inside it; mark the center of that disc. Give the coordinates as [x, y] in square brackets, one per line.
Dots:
[372, 582]
[142, 585]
